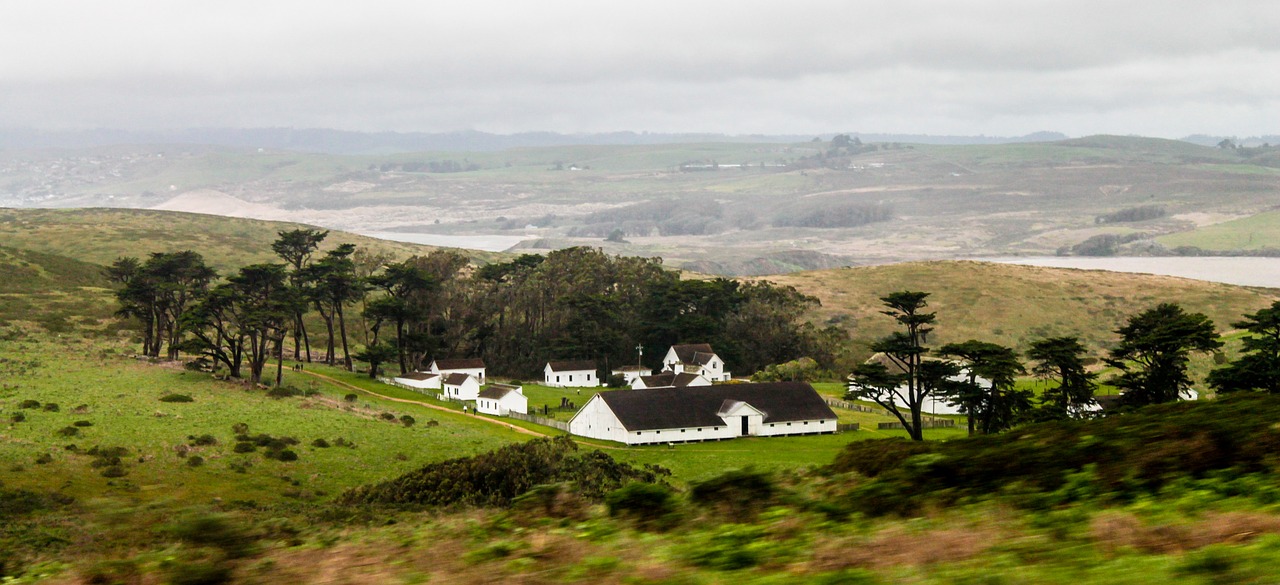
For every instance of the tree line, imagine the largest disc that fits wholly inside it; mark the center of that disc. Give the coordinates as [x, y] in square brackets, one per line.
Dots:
[1150, 360]
[577, 303]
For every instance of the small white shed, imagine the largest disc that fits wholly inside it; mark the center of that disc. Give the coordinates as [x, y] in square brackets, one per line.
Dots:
[419, 380]
[461, 387]
[501, 400]
[571, 374]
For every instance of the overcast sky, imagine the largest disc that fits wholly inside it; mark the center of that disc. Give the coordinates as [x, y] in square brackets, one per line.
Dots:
[996, 67]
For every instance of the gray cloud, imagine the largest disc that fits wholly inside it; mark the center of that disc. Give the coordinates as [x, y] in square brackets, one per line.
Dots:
[998, 67]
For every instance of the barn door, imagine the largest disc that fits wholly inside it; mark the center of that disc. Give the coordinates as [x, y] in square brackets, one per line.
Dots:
[745, 420]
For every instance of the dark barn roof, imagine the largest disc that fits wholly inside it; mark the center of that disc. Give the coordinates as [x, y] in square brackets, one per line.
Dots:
[697, 406]
[456, 379]
[573, 366]
[497, 391]
[459, 363]
[668, 379]
[419, 376]
[694, 353]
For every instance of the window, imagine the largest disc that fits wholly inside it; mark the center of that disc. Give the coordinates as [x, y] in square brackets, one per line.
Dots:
[557, 379]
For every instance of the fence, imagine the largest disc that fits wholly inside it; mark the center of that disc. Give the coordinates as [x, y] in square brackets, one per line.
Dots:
[845, 404]
[937, 423]
[847, 427]
[540, 420]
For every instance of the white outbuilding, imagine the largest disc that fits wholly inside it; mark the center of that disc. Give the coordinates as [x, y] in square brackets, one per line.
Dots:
[700, 413]
[419, 380]
[501, 400]
[571, 374]
[631, 373]
[696, 358]
[470, 366]
[461, 387]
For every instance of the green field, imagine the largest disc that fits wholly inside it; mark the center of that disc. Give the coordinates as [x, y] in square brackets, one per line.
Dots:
[1250, 233]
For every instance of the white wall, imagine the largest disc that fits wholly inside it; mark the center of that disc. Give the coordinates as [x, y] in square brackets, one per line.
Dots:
[569, 379]
[797, 428]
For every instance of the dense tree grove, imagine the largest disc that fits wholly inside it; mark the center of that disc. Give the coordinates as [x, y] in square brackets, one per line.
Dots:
[577, 303]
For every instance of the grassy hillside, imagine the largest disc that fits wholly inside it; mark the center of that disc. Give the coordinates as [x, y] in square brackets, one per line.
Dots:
[1014, 305]
[1249, 233]
[99, 236]
[28, 271]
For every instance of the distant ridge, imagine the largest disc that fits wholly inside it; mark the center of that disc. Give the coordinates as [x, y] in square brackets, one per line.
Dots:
[345, 142]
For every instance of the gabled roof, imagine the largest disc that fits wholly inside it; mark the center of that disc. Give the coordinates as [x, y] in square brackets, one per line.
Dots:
[573, 366]
[659, 380]
[497, 391]
[419, 376]
[698, 406]
[456, 379]
[689, 353]
[459, 363]
[633, 369]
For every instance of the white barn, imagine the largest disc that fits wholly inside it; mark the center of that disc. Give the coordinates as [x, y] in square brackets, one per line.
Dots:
[669, 380]
[470, 366]
[461, 387]
[419, 380]
[700, 413]
[573, 374]
[696, 358]
[501, 400]
[631, 373]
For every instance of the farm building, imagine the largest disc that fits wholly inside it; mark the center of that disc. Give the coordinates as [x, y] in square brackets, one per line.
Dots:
[577, 374]
[502, 399]
[420, 380]
[696, 358]
[470, 366]
[461, 387]
[669, 380]
[631, 373]
[700, 413]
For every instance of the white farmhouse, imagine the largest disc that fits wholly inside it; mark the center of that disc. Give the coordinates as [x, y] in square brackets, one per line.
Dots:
[696, 358]
[419, 380]
[501, 400]
[470, 366]
[631, 373]
[461, 387]
[700, 413]
[577, 374]
[669, 380]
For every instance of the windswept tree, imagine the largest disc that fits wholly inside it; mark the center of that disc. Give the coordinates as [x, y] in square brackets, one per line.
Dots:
[1061, 359]
[998, 404]
[905, 350]
[1155, 346]
[335, 284]
[296, 247]
[265, 305]
[404, 284]
[214, 325]
[1259, 366]
[157, 292]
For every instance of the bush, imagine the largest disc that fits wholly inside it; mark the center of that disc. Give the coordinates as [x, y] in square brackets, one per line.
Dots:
[82, 423]
[51, 407]
[351, 397]
[176, 398]
[195, 461]
[44, 458]
[29, 404]
[114, 471]
[283, 455]
[244, 447]
[18, 417]
[320, 444]
[388, 416]
[283, 392]
[203, 440]
[69, 431]
[649, 504]
[215, 531]
[240, 428]
[407, 420]
[739, 493]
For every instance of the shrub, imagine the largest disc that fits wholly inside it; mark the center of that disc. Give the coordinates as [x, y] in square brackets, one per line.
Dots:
[350, 397]
[203, 440]
[649, 504]
[44, 458]
[114, 471]
[51, 407]
[282, 455]
[215, 531]
[82, 423]
[320, 443]
[283, 392]
[244, 447]
[195, 461]
[736, 493]
[388, 416]
[18, 417]
[407, 420]
[341, 442]
[176, 398]
[240, 428]
[29, 404]
[69, 431]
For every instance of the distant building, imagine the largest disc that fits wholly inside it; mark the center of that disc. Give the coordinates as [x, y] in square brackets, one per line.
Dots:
[470, 366]
[501, 400]
[696, 358]
[572, 374]
[419, 380]
[631, 373]
[460, 387]
[669, 380]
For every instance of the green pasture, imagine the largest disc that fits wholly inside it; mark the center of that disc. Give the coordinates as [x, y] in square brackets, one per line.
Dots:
[1249, 233]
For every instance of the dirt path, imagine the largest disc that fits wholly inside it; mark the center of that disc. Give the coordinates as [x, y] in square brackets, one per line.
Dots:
[342, 384]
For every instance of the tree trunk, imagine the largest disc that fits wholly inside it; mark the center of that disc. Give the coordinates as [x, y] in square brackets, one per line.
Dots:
[342, 329]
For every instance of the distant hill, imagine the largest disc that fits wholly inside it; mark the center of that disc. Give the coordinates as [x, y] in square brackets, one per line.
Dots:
[1014, 305]
[100, 236]
[323, 140]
